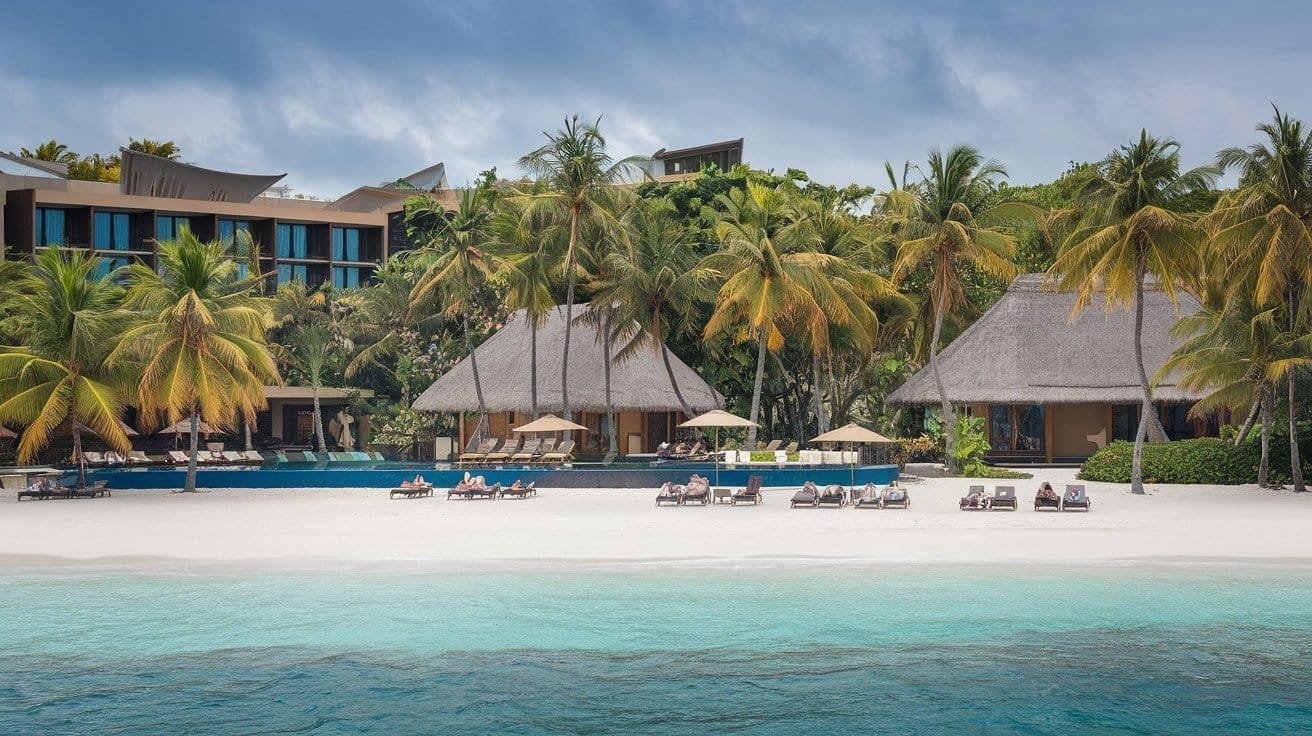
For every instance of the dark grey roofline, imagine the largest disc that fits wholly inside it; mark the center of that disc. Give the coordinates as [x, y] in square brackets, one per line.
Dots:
[708, 148]
[155, 176]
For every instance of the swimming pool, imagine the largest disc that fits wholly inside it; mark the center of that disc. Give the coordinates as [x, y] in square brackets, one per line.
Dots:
[390, 474]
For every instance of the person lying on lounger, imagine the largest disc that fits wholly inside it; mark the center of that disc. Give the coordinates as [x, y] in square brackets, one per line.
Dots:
[1046, 492]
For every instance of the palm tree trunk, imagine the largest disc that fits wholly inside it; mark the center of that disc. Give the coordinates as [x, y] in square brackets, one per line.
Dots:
[1295, 464]
[533, 367]
[1156, 432]
[1252, 417]
[246, 427]
[81, 461]
[836, 411]
[190, 485]
[1136, 465]
[821, 421]
[319, 443]
[949, 441]
[473, 365]
[610, 409]
[1264, 467]
[569, 313]
[756, 392]
[669, 371]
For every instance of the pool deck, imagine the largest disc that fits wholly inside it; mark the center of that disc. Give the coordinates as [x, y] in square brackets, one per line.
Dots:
[390, 475]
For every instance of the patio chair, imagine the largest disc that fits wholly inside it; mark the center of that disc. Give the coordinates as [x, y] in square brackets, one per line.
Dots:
[975, 500]
[805, 497]
[1004, 497]
[526, 451]
[834, 495]
[669, 494]
[1075, 498]
[507, 451]
[561, 454]
[751, 494]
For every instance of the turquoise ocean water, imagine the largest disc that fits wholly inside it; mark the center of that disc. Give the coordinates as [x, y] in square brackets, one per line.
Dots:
[659, 651]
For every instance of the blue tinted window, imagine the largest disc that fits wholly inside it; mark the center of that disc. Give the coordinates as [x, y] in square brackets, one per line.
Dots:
[346, 277]
[353, 244]
[170, 227]
[50, 227]
[346, 244]
[112, 231]
[229, 228]
[338, 239]
[105, 265]
[291, 241]
[290, 272]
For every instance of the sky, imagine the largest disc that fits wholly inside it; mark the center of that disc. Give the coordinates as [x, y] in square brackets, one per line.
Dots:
[339, 94]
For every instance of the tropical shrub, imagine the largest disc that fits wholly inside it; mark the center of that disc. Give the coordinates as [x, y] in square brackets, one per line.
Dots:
[1206, 460]
[922, 449]
[970, 443]
[762, 456]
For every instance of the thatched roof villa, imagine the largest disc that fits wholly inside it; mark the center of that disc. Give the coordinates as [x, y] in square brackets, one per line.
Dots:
[644, 401]
[1052, 389]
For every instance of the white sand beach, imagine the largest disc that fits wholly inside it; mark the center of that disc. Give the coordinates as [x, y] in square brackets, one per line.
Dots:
[1173, 524]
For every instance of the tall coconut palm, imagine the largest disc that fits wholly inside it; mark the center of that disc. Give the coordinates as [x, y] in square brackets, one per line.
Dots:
[308, 351]
[1130, 225]
[956, 226]
[527, 242]
[656, 282]
[773, 278]
[200, 338]
[61, 376]
[1262, 231]
[463, 260]
[580, 176]
[389, 326]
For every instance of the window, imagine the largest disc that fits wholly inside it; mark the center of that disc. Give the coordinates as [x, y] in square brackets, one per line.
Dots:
[1125, 421]
[112, 231]
[229, 228]
[1176, 422]
[170, 227]
[291, 240]
[346, 278]
[288, 272]
[50, 227]
[346, 244]
[1016, 427]
[105, 265]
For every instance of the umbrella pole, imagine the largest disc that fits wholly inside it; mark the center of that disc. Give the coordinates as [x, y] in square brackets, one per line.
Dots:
[717, 456]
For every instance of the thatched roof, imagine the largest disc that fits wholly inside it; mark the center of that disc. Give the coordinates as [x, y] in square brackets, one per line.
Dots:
[1025, 349]
[638, 383]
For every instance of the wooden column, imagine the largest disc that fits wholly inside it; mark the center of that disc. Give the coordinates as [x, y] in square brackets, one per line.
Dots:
[1047, 432]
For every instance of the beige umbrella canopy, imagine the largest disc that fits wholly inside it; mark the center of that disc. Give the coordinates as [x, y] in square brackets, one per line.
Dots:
[549, 423]
[184, 427]
[854, 433]
[67, 426]
[718, 418]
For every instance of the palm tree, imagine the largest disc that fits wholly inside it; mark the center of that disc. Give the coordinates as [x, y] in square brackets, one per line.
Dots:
[774, 279]
[956, 226]
[61, 376]
[463, 262]
[1262, 231]
[52, 150]
[1129, 225]
[656, 282]
[580, 177]
[308, 352]
[201, 338]
[526, 240]
[163, 149]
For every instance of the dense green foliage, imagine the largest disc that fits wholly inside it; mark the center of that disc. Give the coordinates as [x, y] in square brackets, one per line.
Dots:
[1207, 460]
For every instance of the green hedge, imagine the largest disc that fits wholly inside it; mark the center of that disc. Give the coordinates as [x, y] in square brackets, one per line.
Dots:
[1205, 460]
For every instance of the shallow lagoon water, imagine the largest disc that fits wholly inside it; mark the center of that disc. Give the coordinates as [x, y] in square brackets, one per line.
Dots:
[647, 650]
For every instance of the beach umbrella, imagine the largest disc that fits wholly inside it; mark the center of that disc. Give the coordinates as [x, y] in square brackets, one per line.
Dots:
[717, 418]
[852, 434]
[184, 427]
[549, 423]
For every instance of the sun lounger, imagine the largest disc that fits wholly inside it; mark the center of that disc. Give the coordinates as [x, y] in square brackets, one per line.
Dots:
[98, 489]
[867, 498]
[1046, 498]
[669, 494]
[138, 457]
[93, 458]
[178, 457]
[479, 452]
[791, 448]
[774, 445]
[232, 457]
[215, 448]
[253, 456]
[39, 491]
[751, 494]
[411, 489]
[895, 497]
[805, 497]
[115, 458]
[975, 500]
[1004, 497]
[519, 490]
[376, 456]
[697, 450]
[561, 454]
[526, 451]
[834, 495]
[1074, 498]
[507, 451]
[698, 490]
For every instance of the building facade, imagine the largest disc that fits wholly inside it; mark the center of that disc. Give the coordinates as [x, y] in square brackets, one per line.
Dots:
[340, 242]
